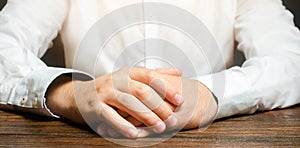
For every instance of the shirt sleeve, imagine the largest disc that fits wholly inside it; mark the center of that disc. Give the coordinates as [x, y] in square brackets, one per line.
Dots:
[27, 28]
[270, 76]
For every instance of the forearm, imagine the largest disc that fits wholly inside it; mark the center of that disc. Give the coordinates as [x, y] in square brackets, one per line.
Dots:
[269, 82]
[26, 36]
[269, 78]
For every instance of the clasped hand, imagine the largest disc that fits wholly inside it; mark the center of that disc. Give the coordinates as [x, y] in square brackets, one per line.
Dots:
[122, 102]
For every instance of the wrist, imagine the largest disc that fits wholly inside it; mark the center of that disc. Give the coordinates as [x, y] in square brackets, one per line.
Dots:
[59, 95]
[211, 108]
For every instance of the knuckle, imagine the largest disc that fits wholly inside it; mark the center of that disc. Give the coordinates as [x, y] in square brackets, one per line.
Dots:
[105, 85]
[163, 112]
[100, 90]
[143, 92]
[150, 75]
[150, 119]
[105, 93]
[108, 79]
[104, 110]
[91, 106]
[121, 97]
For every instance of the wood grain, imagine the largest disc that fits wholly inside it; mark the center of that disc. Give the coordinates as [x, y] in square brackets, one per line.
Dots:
[269, 129]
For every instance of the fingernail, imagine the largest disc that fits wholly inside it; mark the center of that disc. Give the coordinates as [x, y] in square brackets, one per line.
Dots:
[159, 127]
[132, 133]
[171, 121]
[178, 98]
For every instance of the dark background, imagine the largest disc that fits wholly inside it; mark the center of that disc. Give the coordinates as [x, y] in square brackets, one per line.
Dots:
[57, 51]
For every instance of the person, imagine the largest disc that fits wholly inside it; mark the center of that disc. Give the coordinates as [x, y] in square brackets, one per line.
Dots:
[129, 98]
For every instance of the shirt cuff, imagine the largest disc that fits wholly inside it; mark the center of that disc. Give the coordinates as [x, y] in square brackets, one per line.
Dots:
[30, 93]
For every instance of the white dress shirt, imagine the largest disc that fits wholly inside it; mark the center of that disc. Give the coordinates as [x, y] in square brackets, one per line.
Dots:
[263, 29]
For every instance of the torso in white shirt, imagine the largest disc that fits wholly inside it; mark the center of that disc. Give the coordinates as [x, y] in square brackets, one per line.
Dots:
[161, 45]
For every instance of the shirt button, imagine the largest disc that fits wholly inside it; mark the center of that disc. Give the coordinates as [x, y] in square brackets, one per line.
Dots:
[35, 100]
[23, 101]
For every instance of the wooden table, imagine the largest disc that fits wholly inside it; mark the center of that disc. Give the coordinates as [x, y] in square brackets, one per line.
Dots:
[274, 128]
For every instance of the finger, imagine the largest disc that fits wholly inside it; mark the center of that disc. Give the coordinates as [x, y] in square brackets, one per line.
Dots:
[143, 75]
[169, 122]
[171, 106]
[134, 121]
[169, 87]
[113, 133]
[138, 110]
[169, 71]
[153, 101]
[112, 118]
[166, 85]
[130, 119]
